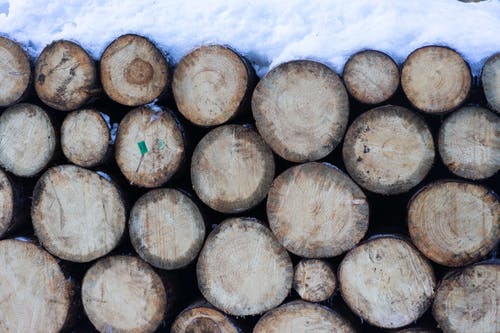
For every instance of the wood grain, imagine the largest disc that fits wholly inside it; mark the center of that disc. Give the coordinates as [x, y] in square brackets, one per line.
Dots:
[203, 318]
[490, 78]
[6, 203]
[314, 280]
[15, 72]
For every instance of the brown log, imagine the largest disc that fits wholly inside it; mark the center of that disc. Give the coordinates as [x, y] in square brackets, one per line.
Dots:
[388, 150]
[124, 294]
[133, 70]
[27, 139]
[257, 272]
[314, 280]
[203, 318]
[469, 300]
[77, 214]
[436, 79]
[35, 296]
[315, 210]
[387, 282]
[301, 110]
[15, 72]
[232, 169]
[490, 78]
[454, 223]
[166, 228]
[371, 76]
[149, 146]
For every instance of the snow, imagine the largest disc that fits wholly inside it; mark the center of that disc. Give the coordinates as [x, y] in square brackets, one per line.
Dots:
[267, 32]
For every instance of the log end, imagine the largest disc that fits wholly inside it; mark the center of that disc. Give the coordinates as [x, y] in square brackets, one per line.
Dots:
[203, 318]
[15, 72]
[6, 203]
[490, 78]
[314, 280]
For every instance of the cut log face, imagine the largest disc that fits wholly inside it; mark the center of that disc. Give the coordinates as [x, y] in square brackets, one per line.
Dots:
[232, 169]
[490, 78]
[469, 143]
[133, 70]
[166, 228]
[302, 317]
[469, 301]
[77, 215]
[316, 211]
[371, 77]
[203, 319]
[454, 223]
[387, 282]
[436, 79]
[15, 72]
[85, 138]
[210, 84]
[35, 296]
[257, 271]
[123, 294]
[149, 146]
[6, 203]
[314, 280]
[27, 139]
[301, 110]
[65, 76]
[388, 150]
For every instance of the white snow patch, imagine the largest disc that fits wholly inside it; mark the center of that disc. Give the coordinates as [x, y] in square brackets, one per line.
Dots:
[104, 175]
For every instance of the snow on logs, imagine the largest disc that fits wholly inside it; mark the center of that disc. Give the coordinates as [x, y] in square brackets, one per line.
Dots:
[15, 72]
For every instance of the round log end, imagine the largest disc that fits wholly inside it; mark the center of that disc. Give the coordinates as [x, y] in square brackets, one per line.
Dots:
[15, 72]
[6, 203]
[201, 319]
[314, 280]
[490, 78]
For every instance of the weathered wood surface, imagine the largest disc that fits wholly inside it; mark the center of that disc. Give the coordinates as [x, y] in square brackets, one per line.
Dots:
[314, 280]
[203, 318]
[15, 72]
[490, 78]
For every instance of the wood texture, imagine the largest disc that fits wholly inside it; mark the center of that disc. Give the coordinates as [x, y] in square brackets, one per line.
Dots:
[242, 269]
[301, 110]
[15, 72]
[314, 280]
[6, 203]
[454, 223]
[315, 210]
[387, 282]
[77, 214]
[490, 78]
[388, 150]
[232, 169]
[203, 318]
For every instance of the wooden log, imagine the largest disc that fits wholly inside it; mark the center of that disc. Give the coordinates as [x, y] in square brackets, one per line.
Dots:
[301, 110]
[15, 72]
[387, 282]
[315, 210]
[123, 294]
[314, 280]
[454, 223]
[303, 317]
[469, 300]
[490, 78]
[232, 169]
[166, 228]
[436, 79]
[133, 70]
[65, 76]
[469, 143]
[203, 317]
[211, 85]
[371, 76]
[388, 150]
[14, 211]
[77, 214]
[257, 271]
[35, 296]
[27, 139]
[149, 146]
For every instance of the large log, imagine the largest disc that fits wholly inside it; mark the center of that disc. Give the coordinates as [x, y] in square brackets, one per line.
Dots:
[203, 318]
[301, 110]
[15, 72]
[314, 280]
[490, 78]
[14, 211]
[315, 210]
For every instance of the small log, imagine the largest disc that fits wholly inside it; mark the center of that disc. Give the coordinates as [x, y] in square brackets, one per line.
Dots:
[65, 76]
[85, 138]
[454, 223]
[203, 318]
[303, 317]
[314, 280]
[388, 150]
[124, 294]
[35, 296]
[257, 271]
[27, 139]
[211, 85]
[387, 282]
[317, 211]
[149, 146]
[77, 214]
[436, 79]
[469, 143]
[371, 77]
[469, 300]
[232, 169]
[301, 110]
[490, 78]
[133, 70]
[15, 72]
[166, 228]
